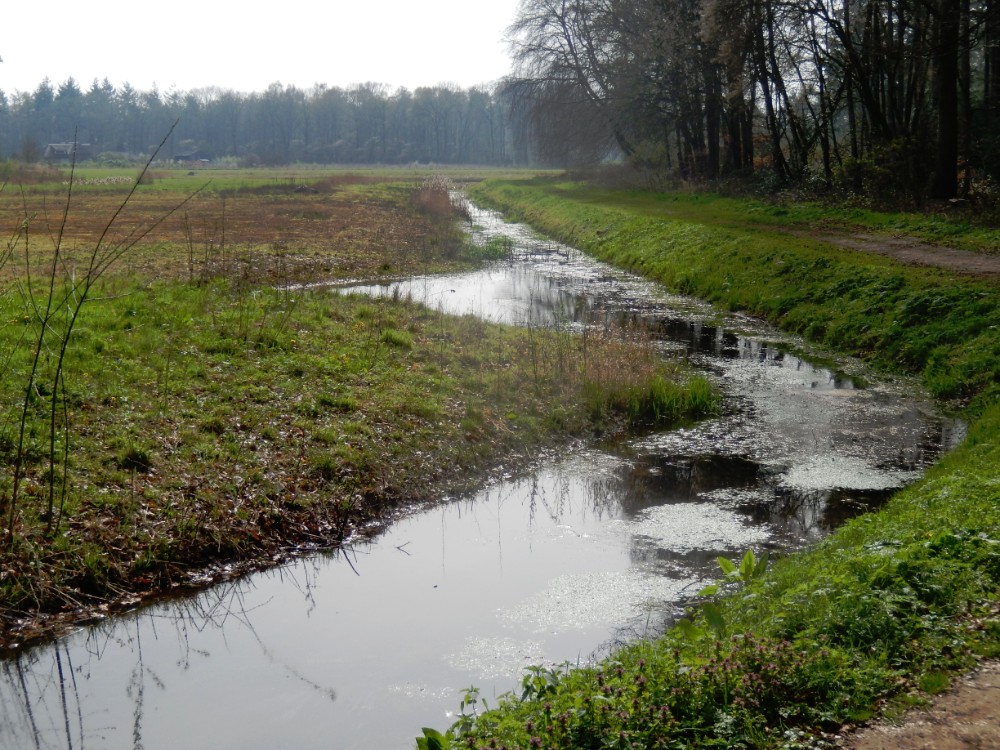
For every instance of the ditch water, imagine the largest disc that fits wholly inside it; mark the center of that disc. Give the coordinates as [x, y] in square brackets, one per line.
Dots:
[361, 648]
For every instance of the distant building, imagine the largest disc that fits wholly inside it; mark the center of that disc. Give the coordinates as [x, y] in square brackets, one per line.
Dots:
[63, 152]
[192, 157]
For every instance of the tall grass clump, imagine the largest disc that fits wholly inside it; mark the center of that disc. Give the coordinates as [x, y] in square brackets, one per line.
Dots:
[496, 248]
[434, 199]
[622, 374]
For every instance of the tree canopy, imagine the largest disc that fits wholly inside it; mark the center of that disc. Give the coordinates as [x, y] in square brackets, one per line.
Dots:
[898, 97]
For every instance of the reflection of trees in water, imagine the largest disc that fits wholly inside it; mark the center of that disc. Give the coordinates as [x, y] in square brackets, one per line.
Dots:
[658, 480]
[804, 515]
[42, 704]
[17, 708]
[792, 517]
[745, 486]
[655, 621]
[651, 554]
[136, 689]
[558, 494]
[547, 302]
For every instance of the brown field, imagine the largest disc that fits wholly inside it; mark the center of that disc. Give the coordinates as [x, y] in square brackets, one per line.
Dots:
[334, 227]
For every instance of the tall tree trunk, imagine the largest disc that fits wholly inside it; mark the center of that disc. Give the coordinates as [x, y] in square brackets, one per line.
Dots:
[852, 117]
[747, 130]
[713, 107]
[991, 62]
[945, 59]
[779, 164]
[965, 94]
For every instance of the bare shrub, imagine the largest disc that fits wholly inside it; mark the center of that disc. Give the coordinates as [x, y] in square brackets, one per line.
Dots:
[434, 198]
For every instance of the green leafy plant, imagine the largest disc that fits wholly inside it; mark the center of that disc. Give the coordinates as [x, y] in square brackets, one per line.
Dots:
[498, 247]
[432, 740]
[749, 569]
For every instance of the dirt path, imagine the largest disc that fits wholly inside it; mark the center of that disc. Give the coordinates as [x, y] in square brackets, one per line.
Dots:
[914, 252]
[967, 716]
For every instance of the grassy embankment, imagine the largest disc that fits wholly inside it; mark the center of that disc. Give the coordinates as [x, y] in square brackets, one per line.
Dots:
[873, 618]
[208, 412]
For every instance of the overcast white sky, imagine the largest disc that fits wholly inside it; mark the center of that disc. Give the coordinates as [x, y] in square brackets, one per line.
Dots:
[187, 44]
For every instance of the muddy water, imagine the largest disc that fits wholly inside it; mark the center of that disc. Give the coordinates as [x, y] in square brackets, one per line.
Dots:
[362, 648]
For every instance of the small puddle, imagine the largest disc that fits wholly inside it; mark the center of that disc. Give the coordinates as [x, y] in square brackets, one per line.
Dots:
[361, 648]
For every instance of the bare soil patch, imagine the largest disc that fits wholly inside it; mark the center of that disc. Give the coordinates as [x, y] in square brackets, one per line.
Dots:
[967, 716]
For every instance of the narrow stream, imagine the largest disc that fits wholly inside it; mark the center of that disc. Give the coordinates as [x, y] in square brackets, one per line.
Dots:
[361, 648]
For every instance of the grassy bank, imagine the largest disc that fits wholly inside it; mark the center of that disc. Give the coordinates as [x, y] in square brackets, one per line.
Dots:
[191, 412]
[874, 618]
[943, 327]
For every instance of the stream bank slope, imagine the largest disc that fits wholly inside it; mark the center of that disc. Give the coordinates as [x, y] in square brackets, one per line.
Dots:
[874, 619]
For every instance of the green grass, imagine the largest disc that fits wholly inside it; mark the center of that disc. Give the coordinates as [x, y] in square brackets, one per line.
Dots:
[871, 619]
[225, 421]
[945, 328]
[965, 230]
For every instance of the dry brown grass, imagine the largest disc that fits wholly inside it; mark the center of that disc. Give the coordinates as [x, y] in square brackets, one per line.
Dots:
[12, 173]
[348, 226]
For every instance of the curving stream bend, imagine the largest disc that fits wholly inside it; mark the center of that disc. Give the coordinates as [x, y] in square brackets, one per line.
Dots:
[361, 648]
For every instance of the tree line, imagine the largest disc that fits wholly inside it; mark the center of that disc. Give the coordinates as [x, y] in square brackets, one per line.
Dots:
[899, 98]
[894, 98]
[365, 123]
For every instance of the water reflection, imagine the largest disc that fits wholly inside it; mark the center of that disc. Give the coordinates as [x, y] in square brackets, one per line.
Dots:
[123, 683]
[365, 645]
[361, 648]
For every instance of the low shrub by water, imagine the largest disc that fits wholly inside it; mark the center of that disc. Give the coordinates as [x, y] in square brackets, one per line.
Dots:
[624, 375]
[657, 401]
